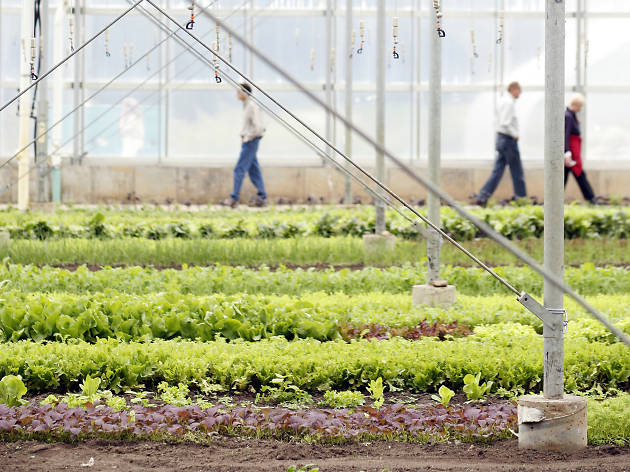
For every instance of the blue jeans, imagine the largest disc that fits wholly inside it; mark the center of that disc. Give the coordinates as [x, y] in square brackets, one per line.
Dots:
[248, 163]
[507, 155]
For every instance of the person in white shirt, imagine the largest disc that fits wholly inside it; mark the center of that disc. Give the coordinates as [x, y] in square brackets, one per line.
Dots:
[252, 131]
[507, 149]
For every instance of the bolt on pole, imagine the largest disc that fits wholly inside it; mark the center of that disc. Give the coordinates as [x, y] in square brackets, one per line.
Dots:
[554, 195]
[435, 141]
[380, 109]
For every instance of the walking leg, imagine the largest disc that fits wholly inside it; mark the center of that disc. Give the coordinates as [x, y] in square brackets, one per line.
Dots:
[242, 165]
[516, 170]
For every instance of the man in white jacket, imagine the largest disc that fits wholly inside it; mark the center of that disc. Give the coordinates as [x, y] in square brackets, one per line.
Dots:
[251, 133]
[507, 149]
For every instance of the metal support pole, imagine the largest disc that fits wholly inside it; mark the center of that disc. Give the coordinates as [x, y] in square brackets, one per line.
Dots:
[435, 142]
[380, 109]
[41, 159]
[348, 94]
[328, 85]
[582, 47]
[554, 194]
[57, 100]
[415, 46]
[76, 85]
[25, 104]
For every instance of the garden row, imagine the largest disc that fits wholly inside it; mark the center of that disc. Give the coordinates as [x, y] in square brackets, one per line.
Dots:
[227, 280]
[514, 223]
[510, 356]
[311, 251]
[126, 317]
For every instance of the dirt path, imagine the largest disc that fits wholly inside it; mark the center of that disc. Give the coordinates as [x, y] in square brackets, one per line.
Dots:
[230, 454]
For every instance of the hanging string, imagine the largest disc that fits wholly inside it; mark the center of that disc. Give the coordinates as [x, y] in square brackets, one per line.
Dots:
[312, 59]
[33, 57]
[438, 13]
[126, 55]
[361, 36]
[353, 37]
[474, 44]
[106, 41]
[501, 26]
[191, 23]
[395, 34]
[230, 47]
[215, 62]
[538, 57]
[71, 32]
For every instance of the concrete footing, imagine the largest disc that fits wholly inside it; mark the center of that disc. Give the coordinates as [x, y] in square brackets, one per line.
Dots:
[379, 242]
[429, 294]
[547, 424]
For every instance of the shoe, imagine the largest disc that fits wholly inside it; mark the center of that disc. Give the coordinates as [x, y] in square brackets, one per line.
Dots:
[232, 203]
[258, 201]
[475, 199]
[599, 200]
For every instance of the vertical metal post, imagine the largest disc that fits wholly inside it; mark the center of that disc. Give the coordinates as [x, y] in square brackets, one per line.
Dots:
[435, 144]
[76, 85]
[59, 39]
[416, 46]
[347, 199]
[328, 64]
[24, 104]
[582, 63]
[41, 159]
[380, 109]
[554, 193]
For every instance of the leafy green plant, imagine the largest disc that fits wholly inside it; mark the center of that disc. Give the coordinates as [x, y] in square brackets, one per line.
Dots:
[284, 393]
[473, 389]
[343, 399]
[304, 468]
[90, 385]
[444, 395]
[174, 395]
[377, 392]
[12, 389]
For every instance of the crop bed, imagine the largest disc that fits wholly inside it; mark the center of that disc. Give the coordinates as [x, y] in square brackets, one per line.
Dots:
[315, 354]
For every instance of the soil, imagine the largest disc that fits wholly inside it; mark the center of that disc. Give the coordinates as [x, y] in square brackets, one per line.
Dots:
[233, 454]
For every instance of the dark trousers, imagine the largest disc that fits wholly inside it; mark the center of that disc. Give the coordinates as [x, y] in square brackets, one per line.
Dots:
[507, 155]
[585, 186]
[248, 164]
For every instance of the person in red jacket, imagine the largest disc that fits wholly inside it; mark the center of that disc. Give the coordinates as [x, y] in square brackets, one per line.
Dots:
[573, 149]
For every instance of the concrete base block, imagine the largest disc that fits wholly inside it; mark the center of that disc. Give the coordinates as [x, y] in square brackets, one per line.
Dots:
[379, 242]
[546, 424]
[433, 296]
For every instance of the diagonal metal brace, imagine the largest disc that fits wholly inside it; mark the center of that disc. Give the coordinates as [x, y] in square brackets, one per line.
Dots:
[545, 315]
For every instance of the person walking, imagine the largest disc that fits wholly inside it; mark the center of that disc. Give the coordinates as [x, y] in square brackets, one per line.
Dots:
[507, 149]
[252, 132]
[573, 149]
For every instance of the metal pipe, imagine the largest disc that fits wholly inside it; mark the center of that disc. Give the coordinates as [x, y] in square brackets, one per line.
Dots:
[381, 67]
[349, 53]
[42, 108]
[435, 145]
[27, 44]
[554, 195]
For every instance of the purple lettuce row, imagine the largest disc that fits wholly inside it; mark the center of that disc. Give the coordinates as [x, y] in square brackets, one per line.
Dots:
[467, 421]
